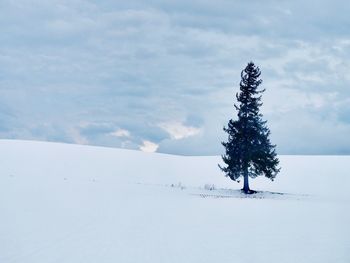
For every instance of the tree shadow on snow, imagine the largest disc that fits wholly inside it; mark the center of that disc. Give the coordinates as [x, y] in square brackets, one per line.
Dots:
[232, 193]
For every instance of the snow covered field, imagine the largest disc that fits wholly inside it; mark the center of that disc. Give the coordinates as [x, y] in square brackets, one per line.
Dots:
[70, 203]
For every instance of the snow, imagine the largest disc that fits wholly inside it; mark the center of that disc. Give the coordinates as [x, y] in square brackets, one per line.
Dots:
[73, 203]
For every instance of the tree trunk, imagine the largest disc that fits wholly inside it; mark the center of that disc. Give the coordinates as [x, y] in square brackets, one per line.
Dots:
[246, 182]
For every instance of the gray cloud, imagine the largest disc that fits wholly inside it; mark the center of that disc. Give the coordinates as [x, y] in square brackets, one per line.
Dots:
[75, 71]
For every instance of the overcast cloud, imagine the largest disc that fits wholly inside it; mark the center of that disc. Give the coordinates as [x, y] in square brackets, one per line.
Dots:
[161, 75]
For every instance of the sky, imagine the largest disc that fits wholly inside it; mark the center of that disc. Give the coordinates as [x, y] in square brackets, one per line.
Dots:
[162, 75]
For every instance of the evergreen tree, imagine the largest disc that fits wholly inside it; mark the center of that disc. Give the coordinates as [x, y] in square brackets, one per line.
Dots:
[249, 152]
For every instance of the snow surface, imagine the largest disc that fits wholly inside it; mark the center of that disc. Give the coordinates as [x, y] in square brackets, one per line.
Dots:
[71, 203]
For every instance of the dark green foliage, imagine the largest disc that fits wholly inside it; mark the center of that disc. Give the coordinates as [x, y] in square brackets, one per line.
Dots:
[248, 149]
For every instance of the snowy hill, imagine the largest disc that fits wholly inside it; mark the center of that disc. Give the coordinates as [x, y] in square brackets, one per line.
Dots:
[71, 203]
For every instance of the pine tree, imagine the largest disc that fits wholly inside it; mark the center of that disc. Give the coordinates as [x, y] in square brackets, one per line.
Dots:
[249, 152]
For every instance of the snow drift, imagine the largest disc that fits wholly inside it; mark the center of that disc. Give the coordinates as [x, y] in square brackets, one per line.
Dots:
[71, 203]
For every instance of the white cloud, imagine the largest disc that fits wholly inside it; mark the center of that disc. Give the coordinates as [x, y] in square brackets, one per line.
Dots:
[66, 62]
[121, 133]
[297, 100]
[149, 147]
[77, 137]
[178, 130]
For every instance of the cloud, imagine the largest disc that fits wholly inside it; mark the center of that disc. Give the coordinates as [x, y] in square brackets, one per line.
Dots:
[77, 137]
[121, 133]
[77, 71]
[178, 130]
[148, 146]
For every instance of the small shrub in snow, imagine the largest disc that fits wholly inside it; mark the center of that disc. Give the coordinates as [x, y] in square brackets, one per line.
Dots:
[209, 187]
[179, 185]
